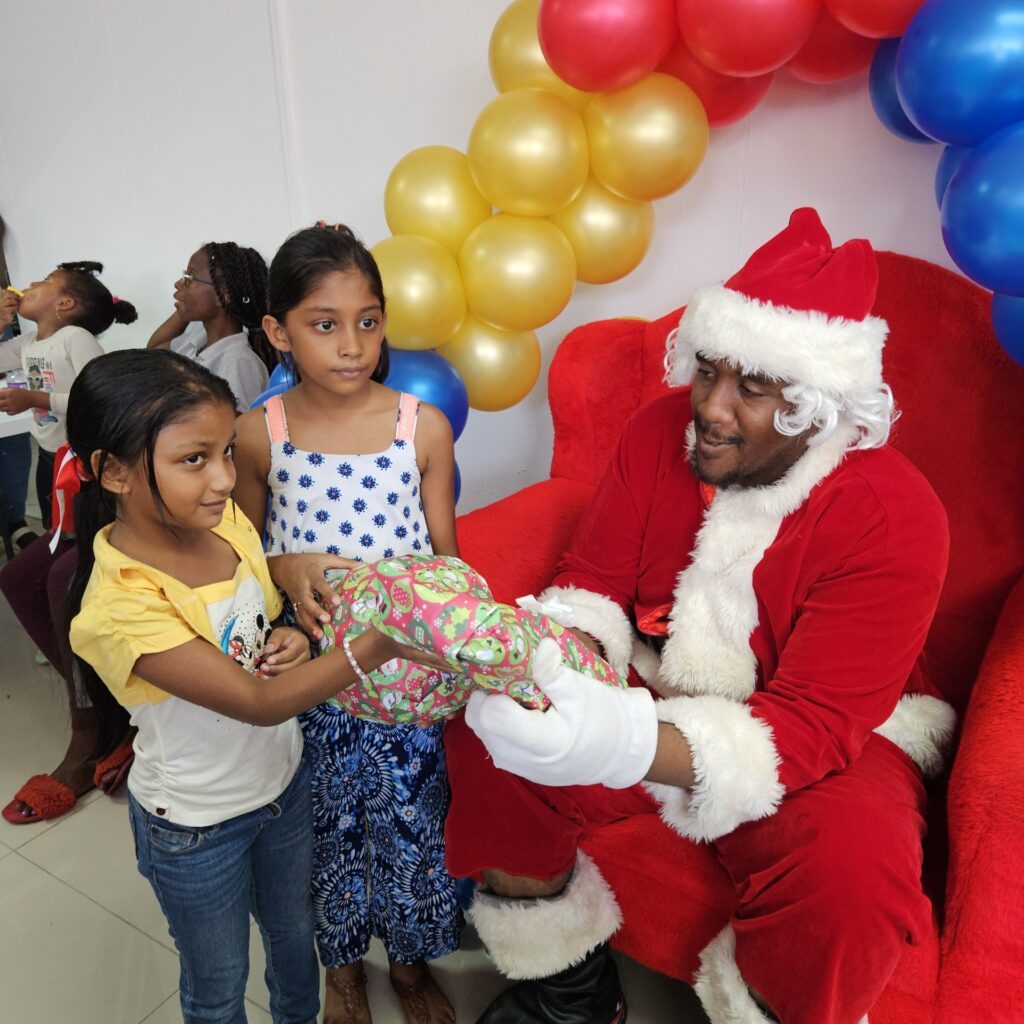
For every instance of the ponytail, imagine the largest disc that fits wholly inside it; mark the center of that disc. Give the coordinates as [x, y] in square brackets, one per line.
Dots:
[97, 308]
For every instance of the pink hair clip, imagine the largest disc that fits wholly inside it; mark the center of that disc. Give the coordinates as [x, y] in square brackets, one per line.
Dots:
[115, 299]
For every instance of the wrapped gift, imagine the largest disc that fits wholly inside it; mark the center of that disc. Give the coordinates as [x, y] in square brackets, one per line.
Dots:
[439, 604]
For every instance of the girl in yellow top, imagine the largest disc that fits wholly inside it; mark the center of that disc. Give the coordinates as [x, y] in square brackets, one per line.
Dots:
[173, 609]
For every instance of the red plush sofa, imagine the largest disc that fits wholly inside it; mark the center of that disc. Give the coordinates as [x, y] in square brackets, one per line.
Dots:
[963, 425]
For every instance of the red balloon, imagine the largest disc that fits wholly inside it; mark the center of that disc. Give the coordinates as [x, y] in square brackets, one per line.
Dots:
[831, 53]
[874, 18]
[605, 45]
[726, 99]
[745, 37]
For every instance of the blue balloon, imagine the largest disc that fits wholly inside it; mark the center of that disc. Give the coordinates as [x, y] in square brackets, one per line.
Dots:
[882, 89]
[950, 161]
[1008, 321]
[983, 213]
[432, 379]
[275, 389]
[458, 483]
[281, 373]
[960, 70]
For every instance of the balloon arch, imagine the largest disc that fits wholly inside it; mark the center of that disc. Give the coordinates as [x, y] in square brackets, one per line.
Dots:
[606, 105]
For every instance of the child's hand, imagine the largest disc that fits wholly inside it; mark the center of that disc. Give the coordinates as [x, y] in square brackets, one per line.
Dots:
[15, 400]
[301, 577]
[8, 307]
[286, 648]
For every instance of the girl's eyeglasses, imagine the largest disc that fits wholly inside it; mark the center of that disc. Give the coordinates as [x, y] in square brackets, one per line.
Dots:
[188, 278]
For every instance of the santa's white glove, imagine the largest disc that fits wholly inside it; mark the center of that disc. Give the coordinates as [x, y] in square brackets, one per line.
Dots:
[563, 614]
[592, 733]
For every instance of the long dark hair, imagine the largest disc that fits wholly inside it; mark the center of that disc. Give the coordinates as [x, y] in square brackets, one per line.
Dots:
[239, 277]
[98, 309]
[305, 259]
[118, 406]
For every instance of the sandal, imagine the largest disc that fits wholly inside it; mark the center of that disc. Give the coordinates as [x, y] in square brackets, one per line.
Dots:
[111, 770]
[43, 798]
[352, 992]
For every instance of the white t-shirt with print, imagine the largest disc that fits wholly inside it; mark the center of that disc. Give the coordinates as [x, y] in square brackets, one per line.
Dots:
[51, 365]
[196, 767]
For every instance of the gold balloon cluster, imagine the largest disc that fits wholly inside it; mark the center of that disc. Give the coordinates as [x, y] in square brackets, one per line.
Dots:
[570, 176]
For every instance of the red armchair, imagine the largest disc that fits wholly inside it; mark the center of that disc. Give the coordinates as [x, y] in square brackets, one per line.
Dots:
[962, 401]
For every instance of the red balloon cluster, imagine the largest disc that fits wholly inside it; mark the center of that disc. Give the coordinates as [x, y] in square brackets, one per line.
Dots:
[725, 50]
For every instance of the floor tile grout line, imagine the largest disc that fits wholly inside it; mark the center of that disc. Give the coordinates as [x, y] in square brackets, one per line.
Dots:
[107, 910]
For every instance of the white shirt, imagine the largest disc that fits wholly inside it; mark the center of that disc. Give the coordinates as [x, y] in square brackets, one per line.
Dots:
[231, 359]
[197, 768]
[51, 365]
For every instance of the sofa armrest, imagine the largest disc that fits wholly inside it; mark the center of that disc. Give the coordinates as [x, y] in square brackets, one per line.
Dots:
[515, 543]
[982, 973]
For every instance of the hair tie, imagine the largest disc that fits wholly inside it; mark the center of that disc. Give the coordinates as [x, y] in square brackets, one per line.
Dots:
[115, 299]
[245, 300]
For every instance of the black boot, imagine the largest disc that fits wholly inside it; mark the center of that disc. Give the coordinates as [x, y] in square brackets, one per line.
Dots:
[587, 993]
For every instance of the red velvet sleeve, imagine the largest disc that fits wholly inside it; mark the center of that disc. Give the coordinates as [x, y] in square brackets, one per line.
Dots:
[856, 636]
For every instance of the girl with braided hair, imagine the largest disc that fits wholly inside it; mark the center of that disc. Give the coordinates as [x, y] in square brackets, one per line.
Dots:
[219, 304]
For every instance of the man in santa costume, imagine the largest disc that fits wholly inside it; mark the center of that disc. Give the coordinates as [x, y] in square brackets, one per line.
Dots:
[761, 559]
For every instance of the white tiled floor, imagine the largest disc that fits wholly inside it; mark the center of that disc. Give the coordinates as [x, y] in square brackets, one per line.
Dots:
[82, 940]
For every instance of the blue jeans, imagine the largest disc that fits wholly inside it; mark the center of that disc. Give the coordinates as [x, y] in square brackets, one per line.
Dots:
[15, 467]
[208, 880]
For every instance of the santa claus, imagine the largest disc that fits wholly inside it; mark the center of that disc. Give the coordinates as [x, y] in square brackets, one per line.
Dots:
[760, 559]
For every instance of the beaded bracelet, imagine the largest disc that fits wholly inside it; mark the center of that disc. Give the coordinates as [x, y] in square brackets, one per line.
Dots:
[361, 675]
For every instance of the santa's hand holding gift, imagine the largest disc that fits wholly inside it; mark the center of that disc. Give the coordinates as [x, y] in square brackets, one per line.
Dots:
[759, 556]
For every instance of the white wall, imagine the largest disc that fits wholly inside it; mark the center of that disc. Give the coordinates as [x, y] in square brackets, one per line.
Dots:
[131, 132]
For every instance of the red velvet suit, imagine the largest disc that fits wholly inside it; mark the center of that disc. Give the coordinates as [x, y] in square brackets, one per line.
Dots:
[795, 623]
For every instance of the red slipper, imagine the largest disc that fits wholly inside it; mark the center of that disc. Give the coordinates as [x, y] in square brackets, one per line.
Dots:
[44, 797]
[112, 769]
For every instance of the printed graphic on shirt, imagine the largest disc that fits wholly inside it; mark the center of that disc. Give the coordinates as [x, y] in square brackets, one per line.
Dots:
[243, 632]
[41, 378]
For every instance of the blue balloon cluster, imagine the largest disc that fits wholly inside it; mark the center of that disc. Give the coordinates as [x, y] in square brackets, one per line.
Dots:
[957, 76]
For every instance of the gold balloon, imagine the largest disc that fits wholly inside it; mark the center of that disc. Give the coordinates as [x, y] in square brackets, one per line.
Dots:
[648, 139]
[498, 367]
[517, 61]
[518, 272]
[609, 234]
[528, 152]
[423, 289]
[431, 193]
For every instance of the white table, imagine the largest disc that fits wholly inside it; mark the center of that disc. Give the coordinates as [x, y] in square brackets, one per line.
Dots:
[12, 425]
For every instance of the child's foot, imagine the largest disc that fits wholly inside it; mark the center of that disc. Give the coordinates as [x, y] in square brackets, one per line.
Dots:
[422, 1000]
[345, 997]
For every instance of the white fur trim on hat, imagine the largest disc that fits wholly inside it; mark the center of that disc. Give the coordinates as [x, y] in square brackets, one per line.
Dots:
[839, 356]
[535, 938]
[602, 618]
[714, 607]
[735, 766]
[922, 727]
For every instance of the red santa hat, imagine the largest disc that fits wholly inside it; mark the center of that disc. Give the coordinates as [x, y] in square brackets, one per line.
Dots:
[799, 311]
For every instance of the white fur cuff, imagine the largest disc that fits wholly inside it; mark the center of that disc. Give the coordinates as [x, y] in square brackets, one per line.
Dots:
[537, 938]
[602, 618]
[922, 727]
[735, 764]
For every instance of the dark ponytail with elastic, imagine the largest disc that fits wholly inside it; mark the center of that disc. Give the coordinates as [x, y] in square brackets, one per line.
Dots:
[96, 308]
[118, 406]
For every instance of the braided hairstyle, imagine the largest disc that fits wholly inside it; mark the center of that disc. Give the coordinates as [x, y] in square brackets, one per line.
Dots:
[239, 276]
[97, 308]
[305, 259]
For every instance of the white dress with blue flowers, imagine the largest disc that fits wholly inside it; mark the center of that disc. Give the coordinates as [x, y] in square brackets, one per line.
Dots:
[380, 792]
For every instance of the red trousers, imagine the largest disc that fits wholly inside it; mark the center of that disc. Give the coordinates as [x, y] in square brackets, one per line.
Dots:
[828, 888]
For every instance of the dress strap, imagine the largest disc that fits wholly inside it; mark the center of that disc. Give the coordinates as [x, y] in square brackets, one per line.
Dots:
[408, 414]
[277, 422]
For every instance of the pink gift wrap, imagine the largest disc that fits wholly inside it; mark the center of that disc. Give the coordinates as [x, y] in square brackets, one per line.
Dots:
[439, 604]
